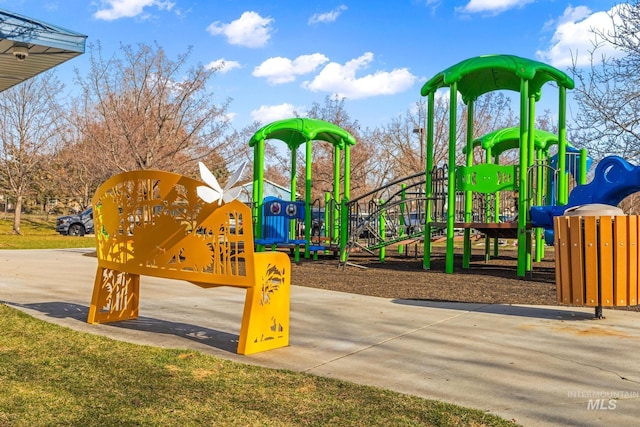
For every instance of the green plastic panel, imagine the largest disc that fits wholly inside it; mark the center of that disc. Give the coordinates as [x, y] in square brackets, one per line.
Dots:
[486, 178]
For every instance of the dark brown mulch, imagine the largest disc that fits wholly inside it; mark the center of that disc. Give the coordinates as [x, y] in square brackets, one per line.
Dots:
[401, 276]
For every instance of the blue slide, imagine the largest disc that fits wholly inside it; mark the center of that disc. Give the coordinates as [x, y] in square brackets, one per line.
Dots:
[614, 179]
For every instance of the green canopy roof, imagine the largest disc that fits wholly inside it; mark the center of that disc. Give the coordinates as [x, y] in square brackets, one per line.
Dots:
[483, 74]
[505, 139]
[29, 47]
[297, 131]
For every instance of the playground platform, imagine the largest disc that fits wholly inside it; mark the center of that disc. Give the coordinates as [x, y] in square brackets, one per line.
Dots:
[536, 365]
[504, 230]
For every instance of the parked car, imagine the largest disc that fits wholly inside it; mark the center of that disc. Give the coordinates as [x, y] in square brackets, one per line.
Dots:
[317, 222]
[76, 225]
[414, 222]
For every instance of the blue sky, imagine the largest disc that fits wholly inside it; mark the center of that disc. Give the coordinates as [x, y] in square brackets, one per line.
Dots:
[277, 57]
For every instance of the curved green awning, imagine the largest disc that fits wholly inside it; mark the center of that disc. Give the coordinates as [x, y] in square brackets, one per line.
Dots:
[483, 74]
[505, 139]
[297, 131]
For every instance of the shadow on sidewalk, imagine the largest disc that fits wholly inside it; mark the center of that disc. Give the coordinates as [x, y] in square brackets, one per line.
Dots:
[211, 337]
[560, 313]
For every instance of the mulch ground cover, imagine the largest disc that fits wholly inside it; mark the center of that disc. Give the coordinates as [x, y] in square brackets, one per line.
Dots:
[402, 276]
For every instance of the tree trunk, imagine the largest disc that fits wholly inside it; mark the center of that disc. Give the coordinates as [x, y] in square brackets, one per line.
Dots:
[16, 215]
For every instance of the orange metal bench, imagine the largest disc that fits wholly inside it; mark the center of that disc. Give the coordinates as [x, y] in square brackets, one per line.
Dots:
[153, 223]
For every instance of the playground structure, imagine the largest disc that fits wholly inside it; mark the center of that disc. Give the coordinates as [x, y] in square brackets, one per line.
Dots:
[470, 79]
[526, 177]
[493, 197]
[398, 207]
[491, 204]
[282, 229]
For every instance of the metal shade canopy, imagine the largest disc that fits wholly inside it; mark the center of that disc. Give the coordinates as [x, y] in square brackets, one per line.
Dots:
[29, 47]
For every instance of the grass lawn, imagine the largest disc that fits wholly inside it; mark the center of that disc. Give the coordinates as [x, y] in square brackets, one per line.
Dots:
[50, 375]
[38, 233]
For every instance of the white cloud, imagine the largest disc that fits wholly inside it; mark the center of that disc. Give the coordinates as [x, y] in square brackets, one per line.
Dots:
[492, 6]
[230, 116]
[323, 18]
[574, 39]
[115, 9]
[279, 70]
[223, 65]
[341, 80]
[250, 30]
[270, 113]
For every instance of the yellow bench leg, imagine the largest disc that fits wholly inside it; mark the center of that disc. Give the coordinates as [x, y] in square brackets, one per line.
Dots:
[116, 296]
[265, 320]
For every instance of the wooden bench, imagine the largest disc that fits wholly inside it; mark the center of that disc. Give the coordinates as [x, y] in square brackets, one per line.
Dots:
[153, 223]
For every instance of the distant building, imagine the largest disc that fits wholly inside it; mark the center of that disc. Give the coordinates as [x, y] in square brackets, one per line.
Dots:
[270, 189]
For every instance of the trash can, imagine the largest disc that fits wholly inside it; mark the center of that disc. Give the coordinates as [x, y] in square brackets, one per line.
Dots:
[596, 256]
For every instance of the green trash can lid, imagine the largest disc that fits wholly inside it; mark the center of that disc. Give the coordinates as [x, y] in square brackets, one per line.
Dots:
[594, 209]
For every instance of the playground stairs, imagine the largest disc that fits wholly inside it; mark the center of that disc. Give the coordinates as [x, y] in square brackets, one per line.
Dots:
[390, 215]
[395, 214]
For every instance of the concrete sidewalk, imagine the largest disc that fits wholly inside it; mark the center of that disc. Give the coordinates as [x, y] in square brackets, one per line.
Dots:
[537, 365]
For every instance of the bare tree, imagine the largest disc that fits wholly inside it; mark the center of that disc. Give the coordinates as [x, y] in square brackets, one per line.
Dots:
[142, 110]
[492, 111]
[441, 131]
[607, 92]
[547, 122]
[76, 169]
[404, 138]
[45, 185]
[277, 175]
[278, 168]
[401, 146]
[382, 157]
[362, 154]
[29, 117]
